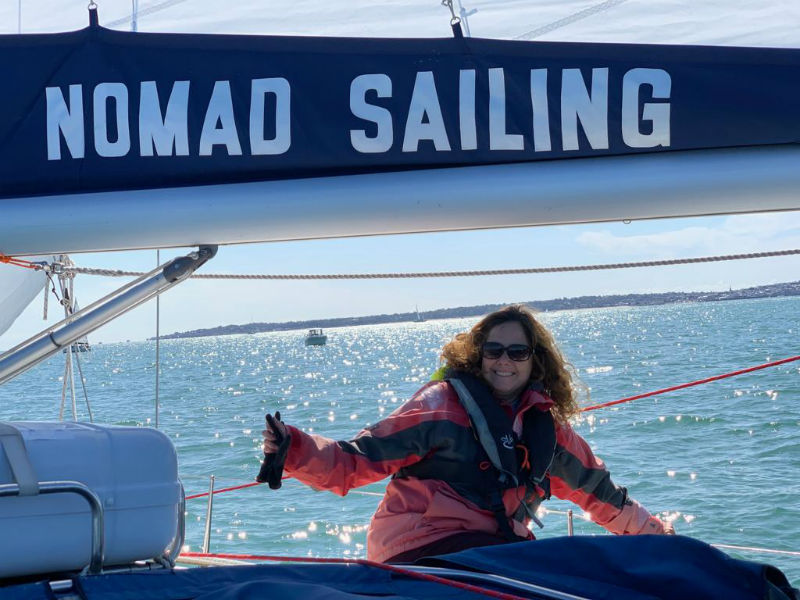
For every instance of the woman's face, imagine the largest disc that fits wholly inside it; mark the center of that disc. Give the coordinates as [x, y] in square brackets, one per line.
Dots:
[506, 377]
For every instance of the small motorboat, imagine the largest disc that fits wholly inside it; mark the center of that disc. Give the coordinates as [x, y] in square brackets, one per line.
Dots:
[315, 337]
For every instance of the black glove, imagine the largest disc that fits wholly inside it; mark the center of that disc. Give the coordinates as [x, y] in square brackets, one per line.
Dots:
[272, 467]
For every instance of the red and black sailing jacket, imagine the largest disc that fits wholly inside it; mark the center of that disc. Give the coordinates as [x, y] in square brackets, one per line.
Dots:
[443, 480]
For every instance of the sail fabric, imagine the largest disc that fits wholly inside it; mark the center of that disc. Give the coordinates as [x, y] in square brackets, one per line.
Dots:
[717, 22]
[18, 288]
[621, 567]
[307, 582]
[103, 110]
[602, 567]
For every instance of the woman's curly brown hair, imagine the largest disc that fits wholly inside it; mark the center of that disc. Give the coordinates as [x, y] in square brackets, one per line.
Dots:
[550, 368]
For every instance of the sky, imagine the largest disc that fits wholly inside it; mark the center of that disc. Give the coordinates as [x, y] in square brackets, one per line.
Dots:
[197, 304]
[201, 304]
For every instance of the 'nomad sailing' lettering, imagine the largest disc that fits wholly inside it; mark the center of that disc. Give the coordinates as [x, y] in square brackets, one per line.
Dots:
[167, 133]
[587, 105]
[163, 128]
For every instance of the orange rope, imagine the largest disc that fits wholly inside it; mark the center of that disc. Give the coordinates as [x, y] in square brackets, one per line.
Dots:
[692, 383]
[368, 563]
[18, 262]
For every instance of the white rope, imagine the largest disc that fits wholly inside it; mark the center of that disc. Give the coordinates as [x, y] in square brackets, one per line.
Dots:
[441, 274]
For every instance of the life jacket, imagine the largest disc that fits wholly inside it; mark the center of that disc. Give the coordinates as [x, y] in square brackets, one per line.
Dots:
[505, 460]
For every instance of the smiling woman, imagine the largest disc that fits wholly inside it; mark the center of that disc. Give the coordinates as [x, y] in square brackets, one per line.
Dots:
[510, 350]
[472, 456]
[507, 363]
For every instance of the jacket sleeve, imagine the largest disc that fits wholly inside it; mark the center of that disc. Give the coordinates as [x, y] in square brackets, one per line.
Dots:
[579, 476]
[403, 438]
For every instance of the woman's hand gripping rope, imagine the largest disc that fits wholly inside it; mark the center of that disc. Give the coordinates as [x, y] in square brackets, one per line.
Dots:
[276, 446]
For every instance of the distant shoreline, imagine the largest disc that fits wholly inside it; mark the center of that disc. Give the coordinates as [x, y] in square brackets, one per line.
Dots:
[764, 291]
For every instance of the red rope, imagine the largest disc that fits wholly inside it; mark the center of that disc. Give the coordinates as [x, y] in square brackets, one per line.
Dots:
[595, 407]
[692, 383]
[368, 563]
[18, 262]
[227, 489]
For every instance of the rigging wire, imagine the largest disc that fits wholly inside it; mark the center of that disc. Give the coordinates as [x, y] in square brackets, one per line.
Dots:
[143, 13]
[755, 549]
[464, 15]
[67, 300]
[586, 12]
[583, 517]
[65, 282]
[83, 384]
[443, 274]
[134, 15]
[158, 338]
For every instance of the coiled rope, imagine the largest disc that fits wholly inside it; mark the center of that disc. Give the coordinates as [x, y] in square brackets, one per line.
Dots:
[441, 274]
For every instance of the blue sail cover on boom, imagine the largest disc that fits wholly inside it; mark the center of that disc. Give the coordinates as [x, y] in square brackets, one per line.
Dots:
[643, 567]
[97, 109]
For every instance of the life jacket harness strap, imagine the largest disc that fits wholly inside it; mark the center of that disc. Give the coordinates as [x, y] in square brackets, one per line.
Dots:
[480, 424]
[483, 409]
[503, 522]
[537, 449]
[508, 463]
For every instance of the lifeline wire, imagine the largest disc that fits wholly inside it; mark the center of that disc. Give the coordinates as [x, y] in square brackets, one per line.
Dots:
[595, 407]
[440, 274]
[546, 511]
[606, 404]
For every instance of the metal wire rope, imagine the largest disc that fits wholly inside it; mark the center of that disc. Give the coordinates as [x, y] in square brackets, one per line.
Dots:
[586, 12]
[442, 274]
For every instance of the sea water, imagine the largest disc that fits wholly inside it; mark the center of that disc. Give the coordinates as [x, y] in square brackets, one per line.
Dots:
[721, 460]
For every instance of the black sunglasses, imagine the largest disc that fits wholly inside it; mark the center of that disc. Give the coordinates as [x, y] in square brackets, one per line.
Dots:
[516, 352]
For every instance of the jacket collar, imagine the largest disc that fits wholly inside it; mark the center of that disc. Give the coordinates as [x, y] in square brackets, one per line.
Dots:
[535, 396]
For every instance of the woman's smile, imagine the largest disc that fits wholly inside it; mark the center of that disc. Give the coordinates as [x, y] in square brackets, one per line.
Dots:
[506, 377]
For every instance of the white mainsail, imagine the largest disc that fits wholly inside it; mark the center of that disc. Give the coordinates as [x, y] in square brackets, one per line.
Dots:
[18, 288]
[712, 22]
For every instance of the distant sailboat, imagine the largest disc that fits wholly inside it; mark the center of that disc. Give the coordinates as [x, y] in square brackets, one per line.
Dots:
[418, 318]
